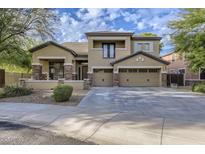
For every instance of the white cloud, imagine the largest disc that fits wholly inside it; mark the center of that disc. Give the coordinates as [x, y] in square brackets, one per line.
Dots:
[73, 29]
[140, 25]
[73, 25]
[90, 14]
[152, 20]
[113, 14]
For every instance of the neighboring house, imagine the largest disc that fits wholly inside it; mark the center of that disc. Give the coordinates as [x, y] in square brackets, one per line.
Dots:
[179, 65]
[107, 59]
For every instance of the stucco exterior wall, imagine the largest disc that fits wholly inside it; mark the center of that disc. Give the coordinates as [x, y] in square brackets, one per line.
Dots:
[140, 61]
[76, 84]
[45, 66]
[41, 84]
[95, 55]
[78, 47]
[52, 51]
[13, 78]
[118, 43]
[51, 84]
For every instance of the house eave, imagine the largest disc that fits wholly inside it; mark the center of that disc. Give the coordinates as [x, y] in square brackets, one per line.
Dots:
[109, 34]
[146, 38]
[143, 53]
[43, 45]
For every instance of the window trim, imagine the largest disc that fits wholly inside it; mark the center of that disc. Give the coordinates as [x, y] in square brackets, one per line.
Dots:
[108, 51]
[148, 46]
[151, 49]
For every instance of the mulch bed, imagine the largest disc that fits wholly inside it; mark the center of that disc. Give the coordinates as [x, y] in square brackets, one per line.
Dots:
[45, 97]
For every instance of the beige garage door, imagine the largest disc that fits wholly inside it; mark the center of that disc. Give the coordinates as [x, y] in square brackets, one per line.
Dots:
[139, 77]
[102, 77]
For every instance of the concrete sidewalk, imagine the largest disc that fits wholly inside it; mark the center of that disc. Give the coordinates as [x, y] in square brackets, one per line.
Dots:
[105, 126]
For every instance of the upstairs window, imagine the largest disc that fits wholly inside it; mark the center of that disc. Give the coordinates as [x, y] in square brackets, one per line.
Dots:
[108, 50]
[143, 47]
[139, 46]
[146, 46]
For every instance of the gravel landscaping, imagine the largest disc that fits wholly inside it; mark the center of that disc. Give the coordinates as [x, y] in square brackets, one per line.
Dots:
[16, 134]
[45, 97]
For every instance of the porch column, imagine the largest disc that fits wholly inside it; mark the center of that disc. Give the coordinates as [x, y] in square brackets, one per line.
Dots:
[74, 74]
[164, 79]
[36, 71]
[116, 79]
[68, 71]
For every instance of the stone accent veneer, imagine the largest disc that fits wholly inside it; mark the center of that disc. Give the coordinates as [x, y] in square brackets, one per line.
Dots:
[164, 79]
[86, 85]
[37, 72]
[68, 72]
[116, 79]
[90, 77]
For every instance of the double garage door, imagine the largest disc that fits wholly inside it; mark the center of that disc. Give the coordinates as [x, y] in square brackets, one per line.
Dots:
[139, 77]
[127, 77]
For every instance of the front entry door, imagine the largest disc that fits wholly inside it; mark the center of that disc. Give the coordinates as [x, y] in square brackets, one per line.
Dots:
[84, 72]
[56, 70]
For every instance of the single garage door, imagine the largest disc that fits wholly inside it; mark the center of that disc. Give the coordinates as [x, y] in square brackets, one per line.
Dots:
[139, 77]
[102, 77]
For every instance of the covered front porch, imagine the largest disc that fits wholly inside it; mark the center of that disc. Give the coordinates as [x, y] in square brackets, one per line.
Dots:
[58, 68]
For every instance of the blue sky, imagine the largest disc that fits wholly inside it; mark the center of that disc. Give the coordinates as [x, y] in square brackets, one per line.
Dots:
[75, 22]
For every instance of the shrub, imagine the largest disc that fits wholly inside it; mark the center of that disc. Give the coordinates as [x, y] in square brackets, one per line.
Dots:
[62, 93]
[12, 91]
[2, 95]
[198, 88]
[193, 86]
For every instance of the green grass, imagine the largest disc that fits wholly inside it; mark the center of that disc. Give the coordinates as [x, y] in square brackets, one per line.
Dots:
[13, 68]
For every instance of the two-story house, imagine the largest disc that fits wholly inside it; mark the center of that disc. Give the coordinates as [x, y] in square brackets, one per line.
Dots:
[107, 59]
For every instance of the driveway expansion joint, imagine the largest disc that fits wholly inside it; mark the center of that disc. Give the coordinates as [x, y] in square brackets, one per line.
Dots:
[106, 121]
[162, 131]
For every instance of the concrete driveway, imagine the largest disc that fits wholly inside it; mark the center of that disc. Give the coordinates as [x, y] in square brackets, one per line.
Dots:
[152, 102]
[121, 116]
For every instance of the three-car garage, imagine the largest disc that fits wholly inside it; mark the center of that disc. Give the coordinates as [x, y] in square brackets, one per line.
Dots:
[136, 70]
[131, 77]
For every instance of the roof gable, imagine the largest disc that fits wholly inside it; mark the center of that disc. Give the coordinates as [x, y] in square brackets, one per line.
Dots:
[38, 47]
[81, 48]
[143, 53]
